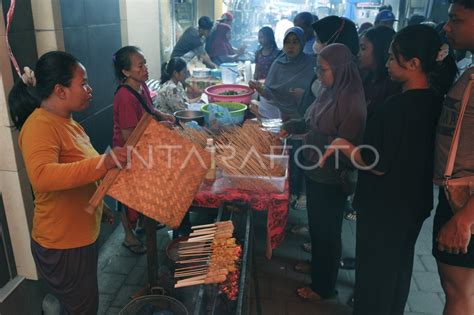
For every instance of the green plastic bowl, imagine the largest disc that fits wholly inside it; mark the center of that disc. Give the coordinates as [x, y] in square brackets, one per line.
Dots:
[237, 111]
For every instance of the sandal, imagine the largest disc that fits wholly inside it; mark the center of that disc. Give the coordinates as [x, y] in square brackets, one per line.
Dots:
[300, 203]
[303, 267]
[350, 302]
[308, 295]
[300, 230]
[137, 249]
[306, 247]
[351, 216]
[293, 198]
[348, 263]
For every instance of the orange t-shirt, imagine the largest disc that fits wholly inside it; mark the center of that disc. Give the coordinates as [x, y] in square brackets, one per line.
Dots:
[63, 169]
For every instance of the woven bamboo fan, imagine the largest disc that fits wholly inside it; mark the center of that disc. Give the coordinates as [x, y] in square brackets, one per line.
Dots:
[162, 179]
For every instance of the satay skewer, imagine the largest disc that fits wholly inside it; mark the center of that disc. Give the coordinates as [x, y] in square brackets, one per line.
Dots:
[199, 232]
[189, 261]
[222, 271]
[191, 267]
[211, 225]
[207, 280]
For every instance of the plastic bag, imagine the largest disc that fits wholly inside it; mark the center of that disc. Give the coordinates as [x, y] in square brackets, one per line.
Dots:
[219, 116]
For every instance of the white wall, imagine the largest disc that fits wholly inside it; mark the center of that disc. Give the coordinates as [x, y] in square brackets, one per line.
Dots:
[140, 26]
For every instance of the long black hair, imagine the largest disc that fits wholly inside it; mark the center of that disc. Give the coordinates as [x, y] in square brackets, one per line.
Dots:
[168, 68]
[268, 33]
[122, 61]
[380, 37]
[55, 67]
[424, 43]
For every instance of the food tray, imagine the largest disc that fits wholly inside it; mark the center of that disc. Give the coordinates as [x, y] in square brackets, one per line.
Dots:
[265, 183]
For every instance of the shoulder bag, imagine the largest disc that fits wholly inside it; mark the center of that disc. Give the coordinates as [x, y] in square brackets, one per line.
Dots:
[458, 190]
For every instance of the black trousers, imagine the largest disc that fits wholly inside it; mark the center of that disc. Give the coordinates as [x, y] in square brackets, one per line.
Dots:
[297, 177]
[72, 276]
[385, 246]
[325, 204]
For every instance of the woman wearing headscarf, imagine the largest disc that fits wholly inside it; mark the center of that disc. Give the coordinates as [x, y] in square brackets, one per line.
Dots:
[287, 78]
[329, 30]
[221, 49]
[339, 109]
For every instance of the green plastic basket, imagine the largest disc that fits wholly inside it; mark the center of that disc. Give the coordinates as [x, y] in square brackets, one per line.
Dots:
[237, 111]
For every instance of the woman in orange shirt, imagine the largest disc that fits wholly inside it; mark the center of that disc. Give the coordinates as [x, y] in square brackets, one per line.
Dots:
[63, 169]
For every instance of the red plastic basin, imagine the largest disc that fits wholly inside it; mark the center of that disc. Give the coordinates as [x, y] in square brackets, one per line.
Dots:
[213, 92]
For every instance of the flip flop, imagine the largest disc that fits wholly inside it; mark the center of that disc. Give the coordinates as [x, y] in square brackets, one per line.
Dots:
[299, 203]
[350, 302]
[137, 249]
[351, 216]
[348, 263]
[303, 267]
[308, 295]
[306, 247]
[300, 230]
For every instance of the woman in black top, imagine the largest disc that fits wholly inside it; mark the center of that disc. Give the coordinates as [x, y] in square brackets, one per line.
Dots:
[395, 193]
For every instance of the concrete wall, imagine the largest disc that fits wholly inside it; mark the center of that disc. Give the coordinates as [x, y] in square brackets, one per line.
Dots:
[140, 26]
[92, 33]
[206, 7]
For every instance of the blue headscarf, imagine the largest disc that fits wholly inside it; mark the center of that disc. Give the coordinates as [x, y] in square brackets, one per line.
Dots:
[298, 31]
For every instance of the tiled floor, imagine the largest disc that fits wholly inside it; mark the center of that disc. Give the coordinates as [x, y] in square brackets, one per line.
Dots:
[122, 273]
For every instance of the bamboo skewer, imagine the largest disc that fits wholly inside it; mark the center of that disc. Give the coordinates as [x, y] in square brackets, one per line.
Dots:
[207, 280]
[195, 227]
[203, 272]
[191, 267]
[190, 261]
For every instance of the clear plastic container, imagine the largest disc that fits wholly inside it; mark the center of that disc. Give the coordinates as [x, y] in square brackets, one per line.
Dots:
[264, 183]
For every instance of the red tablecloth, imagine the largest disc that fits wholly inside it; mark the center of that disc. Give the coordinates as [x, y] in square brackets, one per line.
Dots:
[275, 203]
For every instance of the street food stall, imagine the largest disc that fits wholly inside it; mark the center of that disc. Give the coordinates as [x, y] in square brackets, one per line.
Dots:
[250, 173]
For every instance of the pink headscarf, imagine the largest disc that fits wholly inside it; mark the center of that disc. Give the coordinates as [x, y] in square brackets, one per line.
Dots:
[221, 45]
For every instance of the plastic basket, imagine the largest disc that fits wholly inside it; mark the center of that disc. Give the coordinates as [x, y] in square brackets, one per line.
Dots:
[213, 93]
[236, 111]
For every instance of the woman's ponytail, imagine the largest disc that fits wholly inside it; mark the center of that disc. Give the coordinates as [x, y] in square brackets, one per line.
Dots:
[176, 64]
[165, 77]
[22, 101]
[54, 67]
[424, 43]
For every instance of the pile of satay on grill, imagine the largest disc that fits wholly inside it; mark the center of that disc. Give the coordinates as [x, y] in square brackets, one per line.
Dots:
[208, 255]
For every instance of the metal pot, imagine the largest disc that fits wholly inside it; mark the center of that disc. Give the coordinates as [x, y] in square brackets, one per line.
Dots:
[185, 116]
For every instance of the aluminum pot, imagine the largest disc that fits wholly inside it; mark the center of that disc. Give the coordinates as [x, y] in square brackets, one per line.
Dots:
[186, 115]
